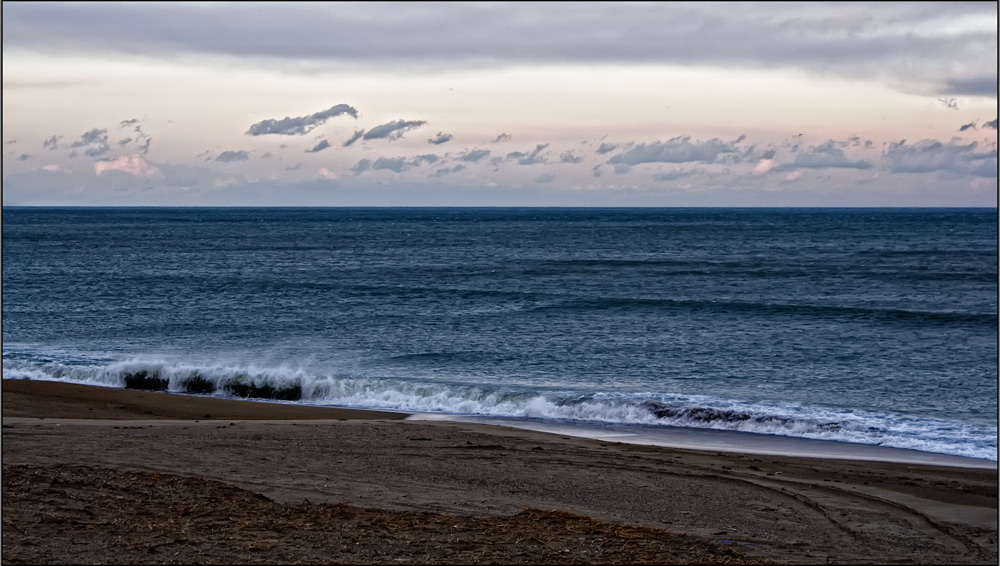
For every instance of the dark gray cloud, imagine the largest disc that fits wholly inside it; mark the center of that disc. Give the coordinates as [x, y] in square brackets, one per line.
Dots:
[827, 155]
[231, 156]
[534, 157]
[51, 143]
[449, 170]
[502, 138]
[606, 148]
[392, 130]
[676, 150]
[23, 157]
[395, 164]
[899, 44]
[928, 155]
[93, 142]
[440, 139]
[969, 126]
[426, 158]
[300, 125]
[983, 85]
[354, 137]
[992, 124]
[319, 147]
[568, 157]
[474, 155]
[127, 123]
[362, 166]
[949, 102]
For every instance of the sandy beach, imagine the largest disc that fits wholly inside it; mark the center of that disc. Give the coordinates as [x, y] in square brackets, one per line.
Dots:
[108, 475]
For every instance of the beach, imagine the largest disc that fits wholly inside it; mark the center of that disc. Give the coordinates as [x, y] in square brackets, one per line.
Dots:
[96, 474]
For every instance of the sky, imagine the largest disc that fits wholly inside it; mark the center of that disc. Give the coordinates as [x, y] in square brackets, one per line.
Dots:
[500, 104]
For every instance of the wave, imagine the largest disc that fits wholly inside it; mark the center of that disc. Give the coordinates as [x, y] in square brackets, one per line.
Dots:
[282, 384]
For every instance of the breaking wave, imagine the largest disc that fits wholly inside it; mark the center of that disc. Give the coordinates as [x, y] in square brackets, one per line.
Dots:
[280, 384]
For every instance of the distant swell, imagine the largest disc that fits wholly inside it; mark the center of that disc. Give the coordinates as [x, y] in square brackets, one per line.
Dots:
[888, 315]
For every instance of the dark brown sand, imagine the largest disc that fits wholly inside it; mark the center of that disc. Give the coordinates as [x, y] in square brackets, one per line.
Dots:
[94, 475]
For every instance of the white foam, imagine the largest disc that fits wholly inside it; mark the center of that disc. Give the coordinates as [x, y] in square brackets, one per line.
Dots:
[634, 409]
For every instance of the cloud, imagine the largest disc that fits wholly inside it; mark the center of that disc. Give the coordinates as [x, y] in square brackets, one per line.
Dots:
[426, 158]
[127, 123]
[354, 137]
[95, 141]
[502, 138]
[676, 174]
[764, 166]
[231, 156]
[676, 150]
[327, 173]
[440, 139]
[392, 130]
[51, 143]
[449, 170]
[568, 157]
[976, 85]
[545, 178]
[301, 124]
[606, 148]
[23, 157]
[395, 164]
[956, 42]
[133, 164]
[928, 155]
[824, 156]
[319, 147]
[475, 155]
[949, 102]
[533, 157]
[992, 124]
[969, 126]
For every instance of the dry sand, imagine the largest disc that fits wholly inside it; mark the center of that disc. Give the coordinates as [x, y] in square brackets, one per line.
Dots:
[107, 475]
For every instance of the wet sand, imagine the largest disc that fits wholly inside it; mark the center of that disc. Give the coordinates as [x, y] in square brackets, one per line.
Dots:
[108, 475]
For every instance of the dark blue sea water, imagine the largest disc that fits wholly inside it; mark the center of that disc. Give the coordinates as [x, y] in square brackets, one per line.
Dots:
[870, 326]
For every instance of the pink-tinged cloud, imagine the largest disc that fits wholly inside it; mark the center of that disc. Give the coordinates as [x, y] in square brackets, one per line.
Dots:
[763, 167]
[132, 164]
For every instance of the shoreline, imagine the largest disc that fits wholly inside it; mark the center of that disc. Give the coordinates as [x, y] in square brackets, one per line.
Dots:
[738, 442]
[116, 402]
[757, 507]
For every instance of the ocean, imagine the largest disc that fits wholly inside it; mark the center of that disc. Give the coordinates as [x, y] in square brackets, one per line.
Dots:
[864, 326]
